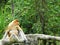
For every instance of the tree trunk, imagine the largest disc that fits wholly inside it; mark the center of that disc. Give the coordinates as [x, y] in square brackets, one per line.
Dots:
[12, 8]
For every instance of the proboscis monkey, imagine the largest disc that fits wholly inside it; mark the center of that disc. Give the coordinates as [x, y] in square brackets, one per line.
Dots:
[14, 29]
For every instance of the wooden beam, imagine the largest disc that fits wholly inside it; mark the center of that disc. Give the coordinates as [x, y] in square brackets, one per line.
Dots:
[42, 36]
[33, 39]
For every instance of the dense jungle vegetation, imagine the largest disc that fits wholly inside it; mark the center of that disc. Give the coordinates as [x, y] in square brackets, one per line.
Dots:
[35, 16]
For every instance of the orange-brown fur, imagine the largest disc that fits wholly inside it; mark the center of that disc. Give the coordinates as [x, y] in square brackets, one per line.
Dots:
[14, 25]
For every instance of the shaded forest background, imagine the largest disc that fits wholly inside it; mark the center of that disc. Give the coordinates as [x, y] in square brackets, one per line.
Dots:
[35, 16]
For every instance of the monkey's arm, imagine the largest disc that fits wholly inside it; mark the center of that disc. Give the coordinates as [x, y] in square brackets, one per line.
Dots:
[21, 33]
[18, 27]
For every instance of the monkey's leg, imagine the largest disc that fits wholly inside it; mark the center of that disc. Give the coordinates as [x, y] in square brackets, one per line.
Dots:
[14, 36]
[23, 36]
[5, 35]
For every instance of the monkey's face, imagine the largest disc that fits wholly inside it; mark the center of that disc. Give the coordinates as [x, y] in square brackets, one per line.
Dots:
[16, 22]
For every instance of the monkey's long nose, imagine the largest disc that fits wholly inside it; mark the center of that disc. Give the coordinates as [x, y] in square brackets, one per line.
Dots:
[18, 23]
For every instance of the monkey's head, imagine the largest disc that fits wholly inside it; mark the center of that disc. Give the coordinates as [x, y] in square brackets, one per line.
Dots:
[14, 23]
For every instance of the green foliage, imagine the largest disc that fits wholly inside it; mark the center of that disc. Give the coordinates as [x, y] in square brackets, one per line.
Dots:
[27, 13]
